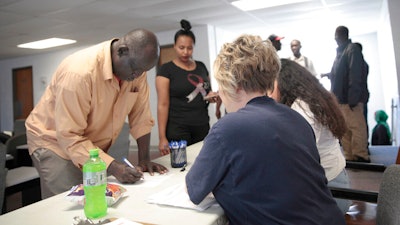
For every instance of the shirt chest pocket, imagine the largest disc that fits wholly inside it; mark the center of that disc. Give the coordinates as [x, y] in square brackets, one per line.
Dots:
[126, 102]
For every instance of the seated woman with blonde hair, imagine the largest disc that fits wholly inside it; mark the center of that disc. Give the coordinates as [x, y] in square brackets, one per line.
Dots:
[260, 170]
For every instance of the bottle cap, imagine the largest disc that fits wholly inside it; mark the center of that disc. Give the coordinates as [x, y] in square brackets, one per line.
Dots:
[94, 152]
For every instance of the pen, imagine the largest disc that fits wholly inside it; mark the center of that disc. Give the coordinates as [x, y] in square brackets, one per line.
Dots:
[183, 168]
[131, 166]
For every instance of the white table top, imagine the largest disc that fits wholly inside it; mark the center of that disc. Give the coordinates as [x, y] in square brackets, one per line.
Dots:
[22, 147]
[9, 157]
[133, 206]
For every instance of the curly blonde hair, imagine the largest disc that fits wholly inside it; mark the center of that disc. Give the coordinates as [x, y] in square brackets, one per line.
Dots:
[248, 63]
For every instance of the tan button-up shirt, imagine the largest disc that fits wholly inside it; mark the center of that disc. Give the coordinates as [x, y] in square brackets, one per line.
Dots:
[84, 107]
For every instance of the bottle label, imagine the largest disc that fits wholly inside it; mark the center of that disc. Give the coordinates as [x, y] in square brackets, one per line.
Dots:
[94, 178]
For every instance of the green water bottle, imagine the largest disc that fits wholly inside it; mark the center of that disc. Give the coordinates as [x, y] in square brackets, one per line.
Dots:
[94, 186]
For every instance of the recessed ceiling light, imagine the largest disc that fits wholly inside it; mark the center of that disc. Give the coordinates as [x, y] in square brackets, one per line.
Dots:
[248, 5]
[47, 43]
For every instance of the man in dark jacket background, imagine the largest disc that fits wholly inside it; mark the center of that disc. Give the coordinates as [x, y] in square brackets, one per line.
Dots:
[347, 83]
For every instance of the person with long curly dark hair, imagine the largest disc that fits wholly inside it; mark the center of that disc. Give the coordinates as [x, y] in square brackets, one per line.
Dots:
[297, 88]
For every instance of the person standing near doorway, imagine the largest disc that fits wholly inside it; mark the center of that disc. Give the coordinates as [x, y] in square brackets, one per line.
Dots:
[347, 84]
[365, 91]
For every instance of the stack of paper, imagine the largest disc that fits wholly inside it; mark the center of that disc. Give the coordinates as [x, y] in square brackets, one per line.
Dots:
[177, 196]
[122, 221]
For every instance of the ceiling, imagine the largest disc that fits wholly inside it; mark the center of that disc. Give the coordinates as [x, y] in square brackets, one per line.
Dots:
[93, 21]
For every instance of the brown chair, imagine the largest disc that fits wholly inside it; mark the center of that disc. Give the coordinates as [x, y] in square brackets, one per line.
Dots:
[398, 156]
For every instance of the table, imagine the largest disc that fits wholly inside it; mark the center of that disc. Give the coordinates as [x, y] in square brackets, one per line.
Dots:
[9, 157]
[23, 147]
[363, 212]
[365, 180]
[364, 186]
[133, 206]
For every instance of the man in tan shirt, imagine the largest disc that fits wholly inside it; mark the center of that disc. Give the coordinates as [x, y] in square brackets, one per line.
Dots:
[85, 106]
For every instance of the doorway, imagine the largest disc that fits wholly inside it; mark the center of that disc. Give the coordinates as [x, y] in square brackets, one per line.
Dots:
[22, 92]
[167, 53]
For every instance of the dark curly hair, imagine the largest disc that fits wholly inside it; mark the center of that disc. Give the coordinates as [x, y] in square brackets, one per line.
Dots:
[294, 81]
[185, 31]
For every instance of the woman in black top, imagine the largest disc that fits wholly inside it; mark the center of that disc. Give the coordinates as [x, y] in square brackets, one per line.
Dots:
[182, 84]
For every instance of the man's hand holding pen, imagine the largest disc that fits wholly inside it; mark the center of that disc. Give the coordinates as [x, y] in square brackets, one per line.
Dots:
[124, 173]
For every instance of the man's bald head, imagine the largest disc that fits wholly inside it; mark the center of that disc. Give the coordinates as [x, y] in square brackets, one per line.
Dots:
[134, 53]
[143, 46]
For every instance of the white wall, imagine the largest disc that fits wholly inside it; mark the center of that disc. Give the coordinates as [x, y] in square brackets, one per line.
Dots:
[43, 67]
[388, 38]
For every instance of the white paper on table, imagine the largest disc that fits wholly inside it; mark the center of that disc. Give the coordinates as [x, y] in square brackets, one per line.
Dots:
[148, 181]
[153, 181]
[122, 221]
[177, 196]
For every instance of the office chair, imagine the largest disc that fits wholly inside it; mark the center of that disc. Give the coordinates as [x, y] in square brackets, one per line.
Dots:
[11, 148]
[19, 127]
[3, 175]
[388, 209]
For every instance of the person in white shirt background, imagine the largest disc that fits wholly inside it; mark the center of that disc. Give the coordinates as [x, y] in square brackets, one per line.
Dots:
[302, 60]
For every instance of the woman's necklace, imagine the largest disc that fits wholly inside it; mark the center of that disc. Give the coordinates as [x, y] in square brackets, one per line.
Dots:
[190, 65]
